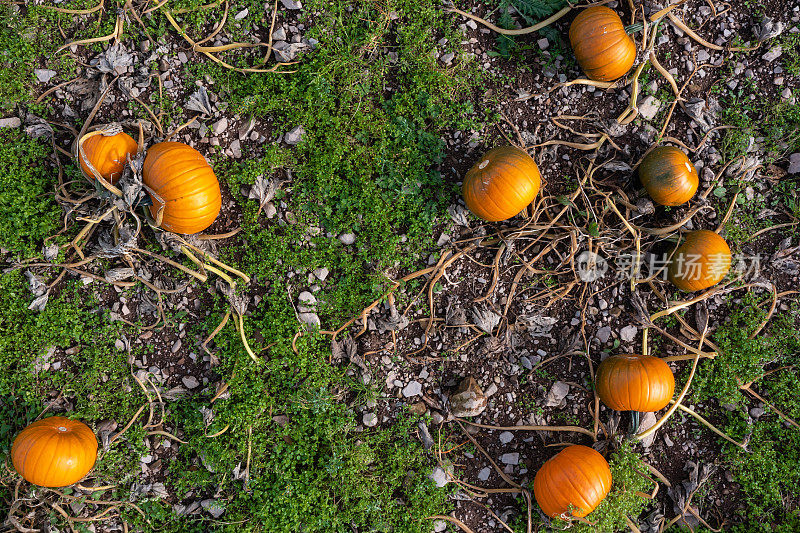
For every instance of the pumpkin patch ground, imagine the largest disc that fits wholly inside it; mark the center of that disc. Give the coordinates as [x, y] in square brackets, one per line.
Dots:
[348, 346]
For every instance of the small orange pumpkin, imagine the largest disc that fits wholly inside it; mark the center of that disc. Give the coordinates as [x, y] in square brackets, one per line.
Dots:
[186, 189]
[603, 49]
[631, 382]
[107, 154]
[574, 481]
[54, 452]
[668, 176]
[700, 262]
[501, 184]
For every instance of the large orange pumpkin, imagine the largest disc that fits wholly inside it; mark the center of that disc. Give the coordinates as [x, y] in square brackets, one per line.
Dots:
[503, 182]
[700, 262]
[107, 154]
[574, 482]
[186, 189]
[603, 49]
[54, 452]
[668, 176]
[631, 382]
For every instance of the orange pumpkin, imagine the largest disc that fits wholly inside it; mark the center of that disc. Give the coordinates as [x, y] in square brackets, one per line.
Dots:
[186, 189]
[603, 49]
[573, 482]
[54, 452]
[501, 184]
[668, 176]
[700, 262]
[631, 382]
[107, 154]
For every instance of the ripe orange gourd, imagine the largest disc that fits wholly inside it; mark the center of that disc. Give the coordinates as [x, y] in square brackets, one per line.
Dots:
[186, 189]
[700, 262]
[54, 452]
[603, 49]
[107, 154]
[503, 182]
[631, 382]
[574, 481]
[668, 176]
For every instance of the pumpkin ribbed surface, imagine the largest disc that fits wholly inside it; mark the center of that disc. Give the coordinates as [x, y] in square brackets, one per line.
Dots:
[603, 49]
[631, 382]
[668, 176]
[54, 452]
[503, 182]
[107, 154]
[574, 481]
[700, 262]
[188, 189]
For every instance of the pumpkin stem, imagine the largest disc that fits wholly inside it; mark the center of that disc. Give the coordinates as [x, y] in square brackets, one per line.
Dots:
[634, 422]
[634, 28]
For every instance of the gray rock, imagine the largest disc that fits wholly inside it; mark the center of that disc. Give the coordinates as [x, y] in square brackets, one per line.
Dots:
[557, 393]
[543, 43]
[310, 319]
[190, 382]
[628, 333]
[44, 75]
[295, 135]
[510, 458]
[484, 474]
[468, 400]
[756, 412]
[412, 389]
[440, 476]
[506, 437]
[370, 420]
[307, 302]
[773, 54]
[794, 163]
[647, 421]
[279, 35]
[214, 508]
[220, 126]
[649, 107]
[703, 56]
[291, 4]
[10, 122]
[321, 273]
[603, 334]
[347, 238]
[447, 58]
[242, 14]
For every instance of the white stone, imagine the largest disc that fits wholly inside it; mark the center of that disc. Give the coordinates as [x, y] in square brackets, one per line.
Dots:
[484, 474]
[510, 458]
[321, 273]
[44, 75]
[370, 420]
[347, 238]
[794, 163]
[412, 389]
[773, 54]
[649, 107]
[190, 382]
[295, 135]
[506, 437]
[220, 126]
[440, 477]
[10, 122]
[628, 333]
